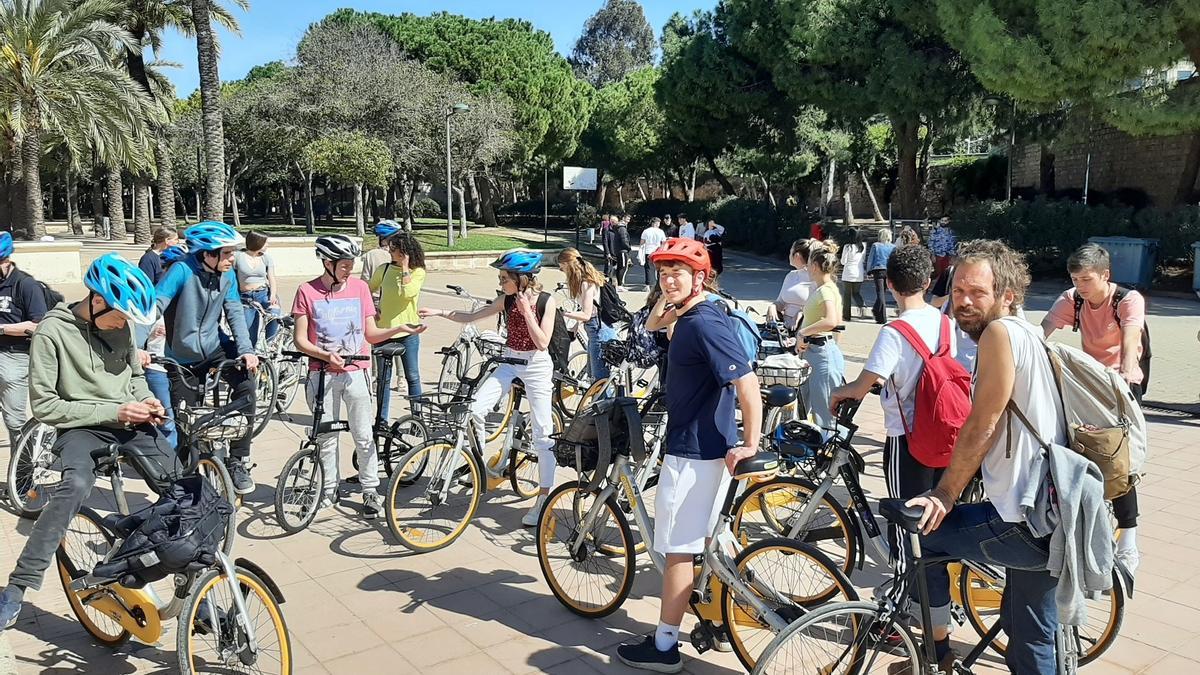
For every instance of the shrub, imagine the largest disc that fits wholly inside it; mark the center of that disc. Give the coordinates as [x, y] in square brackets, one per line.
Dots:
[535, 207]
[426, 207]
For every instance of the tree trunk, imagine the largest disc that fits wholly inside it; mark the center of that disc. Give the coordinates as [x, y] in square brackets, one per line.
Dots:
[486, 203]
[17, 190]
[310, 223]
[359, 225]
[767, 189]
[641, 190]
[621, 196]
[847, 204]
[286, 195]
[73, 218]
[116, 205]
[473, 195]
[34, 227]
[691, 185]
[1185, 192]
[462, 209]
[871, 194]
[233, 203]
[712, 165]
[165, 183]
[827, 197]
[1046, 168]
[141, 212]
[48, 200]
[210, 104]
[907, 147]
[601, 193]
[389, 199]
[183, 206]
[97, 195]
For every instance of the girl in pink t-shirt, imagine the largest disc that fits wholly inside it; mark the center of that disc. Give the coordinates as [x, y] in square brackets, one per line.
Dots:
[528, 338]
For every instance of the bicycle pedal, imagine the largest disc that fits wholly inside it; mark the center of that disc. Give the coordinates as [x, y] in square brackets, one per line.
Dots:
[702, 640]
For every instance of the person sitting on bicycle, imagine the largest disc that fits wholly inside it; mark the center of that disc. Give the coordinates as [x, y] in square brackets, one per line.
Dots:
[707, 368]
[399, 286]
[193, 296]
[86, 382]
[155, 344]
[22, 306]
[528, 338]
[335, 317]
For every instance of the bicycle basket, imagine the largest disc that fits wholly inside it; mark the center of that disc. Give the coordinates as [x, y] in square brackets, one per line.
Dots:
[490, 346]
[440, 412]
[598, 432]
[787, 370]
[204, 423]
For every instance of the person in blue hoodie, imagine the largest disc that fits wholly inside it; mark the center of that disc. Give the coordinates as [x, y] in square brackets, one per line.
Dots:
[194, 295]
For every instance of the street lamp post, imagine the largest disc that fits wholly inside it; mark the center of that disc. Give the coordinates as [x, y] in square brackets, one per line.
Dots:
[456, 109]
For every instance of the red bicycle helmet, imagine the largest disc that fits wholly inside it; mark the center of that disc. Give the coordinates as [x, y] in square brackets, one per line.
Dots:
[687, 251]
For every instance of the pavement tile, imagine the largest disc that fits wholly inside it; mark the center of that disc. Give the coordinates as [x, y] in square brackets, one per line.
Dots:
[377, 659]
[429, 649]
[1173, 664]
[336, 641]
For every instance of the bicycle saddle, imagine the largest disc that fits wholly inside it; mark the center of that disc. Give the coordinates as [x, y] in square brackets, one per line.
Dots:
[907, 517]
[388, 349]
[779, 396]
[764, 464]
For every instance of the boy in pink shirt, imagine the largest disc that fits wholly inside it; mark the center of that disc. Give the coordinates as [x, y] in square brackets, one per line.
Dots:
[1112, 336]
[335, 317]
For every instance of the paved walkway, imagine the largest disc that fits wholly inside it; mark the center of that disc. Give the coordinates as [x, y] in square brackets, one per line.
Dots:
[359, 604]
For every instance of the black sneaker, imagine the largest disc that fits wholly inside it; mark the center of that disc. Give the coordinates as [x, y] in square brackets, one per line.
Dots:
[243, 484]
[645, 656]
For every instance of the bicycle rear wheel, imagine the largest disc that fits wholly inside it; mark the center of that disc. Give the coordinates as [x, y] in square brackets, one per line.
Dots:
[85, 544]
[218, 476]
[212, 636]
[405, 434]
[789, 577]
[595, 581]
[846, 638]
[454, 366]
[31, 469]
[266, 387]
[432, 510]
[299, 490]
[523, 471]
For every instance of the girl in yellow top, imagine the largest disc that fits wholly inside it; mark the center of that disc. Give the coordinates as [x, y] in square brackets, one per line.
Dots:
[822, 315]
[399, 286]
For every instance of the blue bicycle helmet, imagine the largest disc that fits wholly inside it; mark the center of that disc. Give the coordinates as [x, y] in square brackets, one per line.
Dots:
[386, 228]
[211, 236]
[6, 245]
[124, 287]
[174, 253]
[521, 262]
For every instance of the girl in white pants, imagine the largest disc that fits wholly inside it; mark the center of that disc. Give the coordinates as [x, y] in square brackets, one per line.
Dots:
[527, 338]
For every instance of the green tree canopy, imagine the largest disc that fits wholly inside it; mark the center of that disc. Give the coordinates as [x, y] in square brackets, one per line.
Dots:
[625, 133]
[550, 105]
[616, 41]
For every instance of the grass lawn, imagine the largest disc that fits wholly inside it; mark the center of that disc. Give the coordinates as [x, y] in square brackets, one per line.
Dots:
[430, 231]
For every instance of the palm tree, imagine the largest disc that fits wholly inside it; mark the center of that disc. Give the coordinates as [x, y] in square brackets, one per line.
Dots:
[56, 76]
[210, 103]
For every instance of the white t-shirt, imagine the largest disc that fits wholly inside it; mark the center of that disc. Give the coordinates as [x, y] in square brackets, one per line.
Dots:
[899, 364]
[1008, 471]
[652, 239]
[852, 263]
[797, 286]
[687, 231]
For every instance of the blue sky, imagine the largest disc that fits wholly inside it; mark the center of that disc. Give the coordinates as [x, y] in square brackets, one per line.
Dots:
[271, 29]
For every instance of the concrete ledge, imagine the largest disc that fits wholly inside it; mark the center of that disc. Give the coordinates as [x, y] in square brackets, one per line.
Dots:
[53, 262]
[440, 261]
[297, 257]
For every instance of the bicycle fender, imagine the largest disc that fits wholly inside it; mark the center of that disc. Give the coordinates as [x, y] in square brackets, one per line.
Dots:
[860, 553]
[262, 574]
[1125, 576]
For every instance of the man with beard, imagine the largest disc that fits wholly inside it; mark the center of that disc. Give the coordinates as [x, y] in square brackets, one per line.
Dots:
[1012, 367]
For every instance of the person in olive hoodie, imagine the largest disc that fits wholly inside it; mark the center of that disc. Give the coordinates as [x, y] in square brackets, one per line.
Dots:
[85, 380]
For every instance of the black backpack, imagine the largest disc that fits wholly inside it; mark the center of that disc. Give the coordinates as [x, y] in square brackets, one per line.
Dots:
[560, 339]
[1118, 296]
[604, 428]
[180, 533]
[612, 307]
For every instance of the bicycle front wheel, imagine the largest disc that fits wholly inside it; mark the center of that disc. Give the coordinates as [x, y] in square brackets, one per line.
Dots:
[299, 490]
[266, 386]
[218, 477]
[86, 544]
[846, 638]
[213, 636]
[791, 579]
[595, 580]
[523, 473]
[405, 434]
[32, 469]
[431, 510]
[772, 509]
[454, 366]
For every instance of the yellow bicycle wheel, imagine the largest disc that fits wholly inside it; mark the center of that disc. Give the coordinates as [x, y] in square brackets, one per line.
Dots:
[496, 421]
[212, 638]
[768, 509]
[84, 545]
[523, 462]
[431, 511]
[593, 392]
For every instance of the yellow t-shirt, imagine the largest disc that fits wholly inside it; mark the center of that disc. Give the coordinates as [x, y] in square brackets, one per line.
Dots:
[814, 311]
[397, 300]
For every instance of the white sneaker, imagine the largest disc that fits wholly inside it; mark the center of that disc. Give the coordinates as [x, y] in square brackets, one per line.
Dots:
[1130, 559]
[530, 519]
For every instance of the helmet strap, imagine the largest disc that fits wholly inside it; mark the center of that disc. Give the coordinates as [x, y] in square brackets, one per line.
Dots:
[330, 266]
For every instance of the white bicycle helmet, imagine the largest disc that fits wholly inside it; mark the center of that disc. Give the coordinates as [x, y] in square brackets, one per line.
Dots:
[337, 247]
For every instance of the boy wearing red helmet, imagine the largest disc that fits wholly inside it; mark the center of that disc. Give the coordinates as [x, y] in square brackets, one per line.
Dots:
[707, 369]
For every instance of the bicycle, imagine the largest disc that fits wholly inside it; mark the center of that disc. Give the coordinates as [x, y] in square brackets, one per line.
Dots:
[288, 372]
[31, 469]
[435, 493]
[868, 637]
[301, 482]
[228, 611]
[394, 440]
[587, 555]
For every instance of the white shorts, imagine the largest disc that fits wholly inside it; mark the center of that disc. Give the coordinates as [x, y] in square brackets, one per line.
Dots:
[688, 503]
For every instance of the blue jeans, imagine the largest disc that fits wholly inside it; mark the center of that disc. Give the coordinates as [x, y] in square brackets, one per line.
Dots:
[160, 386]
[828, 373]
[263, 297]
[409, 361]
[1027, 609]
[597, 333]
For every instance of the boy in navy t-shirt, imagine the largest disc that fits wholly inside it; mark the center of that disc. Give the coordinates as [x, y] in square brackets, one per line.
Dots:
[707, 371]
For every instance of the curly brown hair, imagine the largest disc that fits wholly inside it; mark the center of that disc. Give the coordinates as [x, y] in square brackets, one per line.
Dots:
[406, 243]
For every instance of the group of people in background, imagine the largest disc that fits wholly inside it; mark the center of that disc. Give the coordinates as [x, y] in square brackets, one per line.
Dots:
[620, 251]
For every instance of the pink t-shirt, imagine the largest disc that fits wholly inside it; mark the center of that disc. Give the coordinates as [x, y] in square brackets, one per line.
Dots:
[1101, 333]
[337, 321]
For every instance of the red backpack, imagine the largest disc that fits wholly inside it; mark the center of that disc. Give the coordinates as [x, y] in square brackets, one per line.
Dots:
[943, 399]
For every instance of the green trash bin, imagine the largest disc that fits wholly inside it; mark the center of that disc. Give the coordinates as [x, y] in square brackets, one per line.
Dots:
[1133, 259]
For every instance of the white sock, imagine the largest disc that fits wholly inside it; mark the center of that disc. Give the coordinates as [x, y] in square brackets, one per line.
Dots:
[1128, 540]
[666, 637]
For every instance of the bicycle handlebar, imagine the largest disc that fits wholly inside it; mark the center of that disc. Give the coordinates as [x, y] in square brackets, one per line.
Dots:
[351, 358]
[187, 379]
